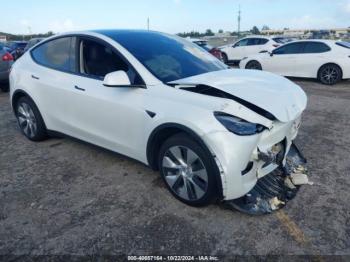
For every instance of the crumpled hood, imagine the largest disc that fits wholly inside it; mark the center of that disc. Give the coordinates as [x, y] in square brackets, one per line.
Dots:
[275, 94]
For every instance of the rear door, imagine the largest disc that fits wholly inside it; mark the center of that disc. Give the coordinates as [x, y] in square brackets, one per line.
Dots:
[315, 54]
[255, 46]
[52, 80]
[283, 59]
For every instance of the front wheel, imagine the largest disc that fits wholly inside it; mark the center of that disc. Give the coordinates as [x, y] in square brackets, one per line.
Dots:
[253, 65]
[188, 171]
[329, 74]
[29, 120]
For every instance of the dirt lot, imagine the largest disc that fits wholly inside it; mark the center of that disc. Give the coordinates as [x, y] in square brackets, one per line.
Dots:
[66, 197]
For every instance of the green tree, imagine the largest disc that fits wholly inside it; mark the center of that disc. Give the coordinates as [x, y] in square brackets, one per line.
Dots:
[255, 31]
[208, 32]
[220, 31]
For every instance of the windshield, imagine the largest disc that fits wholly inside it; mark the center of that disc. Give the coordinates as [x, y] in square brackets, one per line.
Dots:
[167, 57]
[282, 40]
[204, 45]
[344, 44]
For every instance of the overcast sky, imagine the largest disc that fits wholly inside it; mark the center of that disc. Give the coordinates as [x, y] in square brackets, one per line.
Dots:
[171, 16]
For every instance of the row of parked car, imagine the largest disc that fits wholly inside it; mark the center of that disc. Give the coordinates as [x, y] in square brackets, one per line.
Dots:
[10, 52]
[325, 60]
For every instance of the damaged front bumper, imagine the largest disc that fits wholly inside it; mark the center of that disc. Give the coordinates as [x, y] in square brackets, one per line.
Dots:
[273, 191]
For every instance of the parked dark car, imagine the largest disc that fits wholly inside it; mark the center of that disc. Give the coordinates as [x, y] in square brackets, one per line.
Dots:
[32, 42]
[6, 61]
[16, 48]
[204, 44]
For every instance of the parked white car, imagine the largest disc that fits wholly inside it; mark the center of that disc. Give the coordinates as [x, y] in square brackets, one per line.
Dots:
[326, 60]
[213, 132]
[251, 45]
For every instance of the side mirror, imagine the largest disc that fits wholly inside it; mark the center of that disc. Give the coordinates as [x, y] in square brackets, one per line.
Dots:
[117, 79]
[271, 54]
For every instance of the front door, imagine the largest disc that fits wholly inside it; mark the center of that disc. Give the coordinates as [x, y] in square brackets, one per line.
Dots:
[112, 117]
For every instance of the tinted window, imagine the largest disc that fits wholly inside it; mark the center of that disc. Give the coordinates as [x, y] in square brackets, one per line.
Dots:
[344, 44]
[295, 48]
[98, 60]
[263, 41]
[257, 41]
[21, 45]
[1, 46]
[166, 56]
[204, 45]
[57, 54]
[243, 42]
[314, 47]
[282, 40]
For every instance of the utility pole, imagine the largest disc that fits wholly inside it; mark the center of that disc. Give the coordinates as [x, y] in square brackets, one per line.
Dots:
[239, 20]
[148, 23]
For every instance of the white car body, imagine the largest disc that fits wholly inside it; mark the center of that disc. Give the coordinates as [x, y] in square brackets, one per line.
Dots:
[248, 46]
[303, 64]
[117, 118]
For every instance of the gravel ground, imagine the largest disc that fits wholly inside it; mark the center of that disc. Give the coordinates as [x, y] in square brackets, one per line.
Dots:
[63, 196]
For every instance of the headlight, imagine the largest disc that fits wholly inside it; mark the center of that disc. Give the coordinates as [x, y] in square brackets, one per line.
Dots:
[238, 126]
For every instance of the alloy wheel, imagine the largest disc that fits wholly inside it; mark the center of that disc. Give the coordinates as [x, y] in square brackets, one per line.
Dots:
[330, 75]
[185, 173]
[27, 120]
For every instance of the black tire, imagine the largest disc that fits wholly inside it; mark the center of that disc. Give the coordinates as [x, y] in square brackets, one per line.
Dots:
[330, 74]
[201, 190]
[30, 120]
[224, 58]
[253, 65]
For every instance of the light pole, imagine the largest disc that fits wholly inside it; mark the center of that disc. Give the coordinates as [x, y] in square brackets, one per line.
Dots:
[239, 21]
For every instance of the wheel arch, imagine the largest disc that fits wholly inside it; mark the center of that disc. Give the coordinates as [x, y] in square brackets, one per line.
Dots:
[165, 131]
[17, 95]
[330, 63]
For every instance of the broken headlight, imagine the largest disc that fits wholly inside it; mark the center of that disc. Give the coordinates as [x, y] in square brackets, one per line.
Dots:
[238, 126]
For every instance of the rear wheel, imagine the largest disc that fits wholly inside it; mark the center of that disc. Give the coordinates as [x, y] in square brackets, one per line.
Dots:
[29, 120]
[188, 171]
[253, 65]
[330, 74]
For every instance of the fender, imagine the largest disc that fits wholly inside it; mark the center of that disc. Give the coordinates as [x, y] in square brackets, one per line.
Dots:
[164, 131]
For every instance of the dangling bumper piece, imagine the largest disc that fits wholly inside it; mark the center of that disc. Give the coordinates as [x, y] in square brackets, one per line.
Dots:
[275, 190]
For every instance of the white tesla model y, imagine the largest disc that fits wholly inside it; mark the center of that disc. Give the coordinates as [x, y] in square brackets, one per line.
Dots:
[213, 132]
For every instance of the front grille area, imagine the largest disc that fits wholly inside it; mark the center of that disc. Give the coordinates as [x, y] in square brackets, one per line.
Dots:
[276, 154]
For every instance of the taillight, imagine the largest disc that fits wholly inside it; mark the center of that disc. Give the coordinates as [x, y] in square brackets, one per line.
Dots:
[7, 57]
[216, 52]
[276, 46]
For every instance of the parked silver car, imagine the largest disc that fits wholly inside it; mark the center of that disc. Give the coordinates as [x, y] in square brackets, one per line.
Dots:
[6, 61]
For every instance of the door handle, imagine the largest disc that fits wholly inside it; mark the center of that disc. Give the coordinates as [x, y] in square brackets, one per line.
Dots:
[78, 88]
[35, 77]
